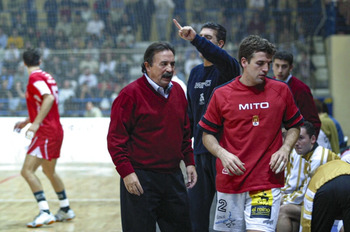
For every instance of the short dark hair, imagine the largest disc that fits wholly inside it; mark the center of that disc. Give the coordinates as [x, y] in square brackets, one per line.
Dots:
[252, 44]
[220, 30]
[31, 57]
[284, 55]
[309, 127]
[319, 105]
[152, 50]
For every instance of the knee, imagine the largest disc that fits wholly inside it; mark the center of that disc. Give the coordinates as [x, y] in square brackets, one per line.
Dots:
[283, 213]
[48, 173]
[25, 173]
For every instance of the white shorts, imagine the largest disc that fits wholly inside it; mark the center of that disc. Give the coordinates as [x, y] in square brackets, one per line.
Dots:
[255, 210]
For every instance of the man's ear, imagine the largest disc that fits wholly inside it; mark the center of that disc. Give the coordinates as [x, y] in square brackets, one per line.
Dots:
[221, 43]
[313, 139]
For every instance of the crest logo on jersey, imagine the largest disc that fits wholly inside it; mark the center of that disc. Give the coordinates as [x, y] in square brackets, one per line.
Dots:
[255, 120]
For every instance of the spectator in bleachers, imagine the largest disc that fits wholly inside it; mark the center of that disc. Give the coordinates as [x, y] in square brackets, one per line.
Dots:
[126, 20]
[162, 13]
[256, 4]
[51, 9]
[11, 56]
[64, 25]
[21, 73]
[49, 37]
[110, 29]
[6, 75]
[18, 95]
[123, 68]
[145, 9]
[3, 38]
[116, 91]
[125, 38]
[93, 49]
[86, 13]
[88, 78]
[31, 13]
[5, 26]
[95, 26]
[92, 110]
[88, 62]
[76, 45]
[104, 89]
[4, 94]
[65, 7]
[66, 92]
[44, 51]
[78, 27]
[78, 6]
[107, 65]
[240, 27]
[63, 39]
[101, 8]
[84, 92]
[108, 42]
[256, 25]
[16, 39]
[18, 24]
[56, 69]
[32, 35]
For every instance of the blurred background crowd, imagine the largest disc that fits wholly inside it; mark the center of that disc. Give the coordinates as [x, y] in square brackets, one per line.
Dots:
[94, 47]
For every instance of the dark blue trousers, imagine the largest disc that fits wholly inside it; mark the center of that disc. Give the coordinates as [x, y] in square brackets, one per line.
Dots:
[202, 194]
[164, 201]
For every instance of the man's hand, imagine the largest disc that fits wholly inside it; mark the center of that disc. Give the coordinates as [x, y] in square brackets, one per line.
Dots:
[231, 163]
[279, 160]
[20, 125]
[191, 176]
[186, 32]
[132, 184]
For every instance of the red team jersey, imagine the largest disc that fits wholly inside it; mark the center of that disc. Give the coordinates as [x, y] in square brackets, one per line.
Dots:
[244, 120]
[50, 129]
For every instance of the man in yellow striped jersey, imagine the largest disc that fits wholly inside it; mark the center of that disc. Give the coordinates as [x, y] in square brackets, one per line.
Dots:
[304, 160]
[327, 197]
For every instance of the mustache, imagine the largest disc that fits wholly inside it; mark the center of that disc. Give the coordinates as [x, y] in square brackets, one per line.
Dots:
[167, 75]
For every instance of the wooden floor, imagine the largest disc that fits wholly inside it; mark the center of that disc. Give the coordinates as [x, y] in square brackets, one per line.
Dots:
[92, 189]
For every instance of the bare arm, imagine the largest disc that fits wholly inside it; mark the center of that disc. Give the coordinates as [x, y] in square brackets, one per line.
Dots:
[230, 162]
[48, 100]
[280, 158]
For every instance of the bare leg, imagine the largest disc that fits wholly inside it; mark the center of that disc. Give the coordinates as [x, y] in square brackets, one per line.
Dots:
[289, 218]
[30, 165]
[50, 172]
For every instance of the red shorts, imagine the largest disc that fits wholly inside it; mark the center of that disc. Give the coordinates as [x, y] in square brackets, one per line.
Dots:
[45, 148]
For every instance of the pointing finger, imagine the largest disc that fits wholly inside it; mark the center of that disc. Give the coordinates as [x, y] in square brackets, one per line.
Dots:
[177, 24]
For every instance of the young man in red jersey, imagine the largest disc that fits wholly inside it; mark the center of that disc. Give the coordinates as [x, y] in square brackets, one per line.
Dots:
[46, 136]
[149, 134]
[242, 128]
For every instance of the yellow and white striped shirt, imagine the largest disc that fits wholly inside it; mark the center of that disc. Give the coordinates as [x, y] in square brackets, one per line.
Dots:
[299, 170]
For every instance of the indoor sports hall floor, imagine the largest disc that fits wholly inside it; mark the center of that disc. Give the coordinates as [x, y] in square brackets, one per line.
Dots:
[93, 191]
